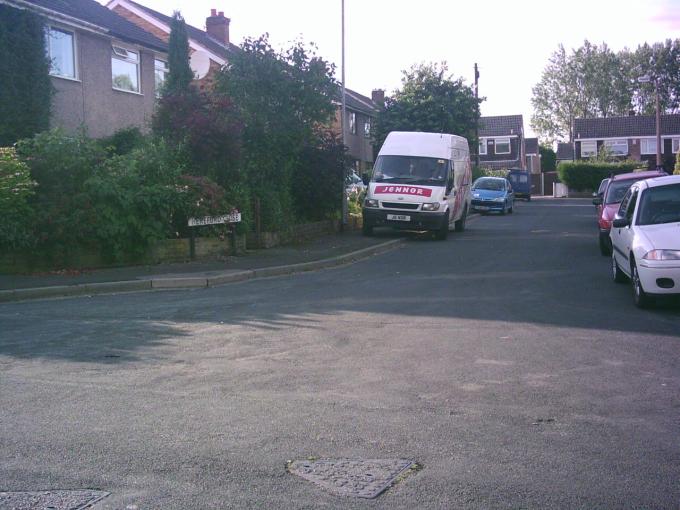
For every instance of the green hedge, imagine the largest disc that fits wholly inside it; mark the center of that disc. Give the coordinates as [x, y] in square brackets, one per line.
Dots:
[587, 175]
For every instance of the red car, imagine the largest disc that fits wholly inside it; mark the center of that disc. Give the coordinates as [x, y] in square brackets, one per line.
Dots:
[608, 203]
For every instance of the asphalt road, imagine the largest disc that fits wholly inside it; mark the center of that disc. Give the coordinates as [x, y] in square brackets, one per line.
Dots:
[502, 360]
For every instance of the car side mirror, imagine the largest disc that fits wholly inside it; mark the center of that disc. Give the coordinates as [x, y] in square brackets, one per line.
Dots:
[365, 178]
[620, 222]
[597, 201]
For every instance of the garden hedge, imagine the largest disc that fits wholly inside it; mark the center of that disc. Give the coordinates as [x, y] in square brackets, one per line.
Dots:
[587, 175]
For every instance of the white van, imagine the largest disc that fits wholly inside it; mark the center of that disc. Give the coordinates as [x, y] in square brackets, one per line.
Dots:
[420, 181]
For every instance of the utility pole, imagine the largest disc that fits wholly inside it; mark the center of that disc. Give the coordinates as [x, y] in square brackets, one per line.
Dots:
[344, 218]
[477, 103]
[659, 165]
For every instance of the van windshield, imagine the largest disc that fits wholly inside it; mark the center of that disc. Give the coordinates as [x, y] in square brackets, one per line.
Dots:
[411, 170]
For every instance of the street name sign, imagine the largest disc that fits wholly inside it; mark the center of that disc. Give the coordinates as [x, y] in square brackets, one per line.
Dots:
[233, 217]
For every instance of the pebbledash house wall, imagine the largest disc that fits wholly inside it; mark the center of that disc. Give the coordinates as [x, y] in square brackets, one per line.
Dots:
[90, 101]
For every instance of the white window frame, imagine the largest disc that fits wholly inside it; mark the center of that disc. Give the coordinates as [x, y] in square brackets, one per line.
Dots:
[367, 127]
[163, 69]
[644, 143]
[618, 142]
[588, 148]
[122, 53]
[353, 123]
[482, 147]
[675, 145]
[73, 52]
[503, 141]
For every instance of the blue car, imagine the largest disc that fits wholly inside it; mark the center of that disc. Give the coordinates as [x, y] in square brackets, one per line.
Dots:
[492, 194]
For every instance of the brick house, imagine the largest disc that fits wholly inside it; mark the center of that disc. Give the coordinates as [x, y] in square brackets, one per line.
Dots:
[501, 142]
[210, 48]
[212, 45]
[102, 66]
[632, 137]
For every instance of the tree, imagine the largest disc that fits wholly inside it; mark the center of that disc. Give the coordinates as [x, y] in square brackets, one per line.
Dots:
[660, 61]
[26, 90]
[548, 158]
[430, 100]
[591, 81]
[180, 74]
[283, 99]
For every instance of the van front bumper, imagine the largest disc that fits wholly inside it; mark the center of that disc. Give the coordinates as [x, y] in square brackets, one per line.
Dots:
[373, 217]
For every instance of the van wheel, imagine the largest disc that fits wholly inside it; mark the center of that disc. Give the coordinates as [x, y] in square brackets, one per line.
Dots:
[443, 232]
[460, 224]
[366, 230]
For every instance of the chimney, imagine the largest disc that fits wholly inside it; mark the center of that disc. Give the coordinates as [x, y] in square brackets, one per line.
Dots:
[217, 26]
[378, 97]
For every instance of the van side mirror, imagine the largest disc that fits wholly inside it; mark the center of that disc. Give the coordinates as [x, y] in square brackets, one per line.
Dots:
[365, 178]
[449, 186]
[620, 222]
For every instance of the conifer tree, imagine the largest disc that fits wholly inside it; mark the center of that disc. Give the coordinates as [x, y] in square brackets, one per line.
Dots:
[180, 74]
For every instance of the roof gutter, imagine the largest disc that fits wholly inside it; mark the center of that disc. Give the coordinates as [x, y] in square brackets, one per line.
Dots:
[55, 15]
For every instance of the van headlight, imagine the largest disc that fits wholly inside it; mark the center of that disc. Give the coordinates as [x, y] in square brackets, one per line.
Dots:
[430, 206]
[371, 202]
[662, 255]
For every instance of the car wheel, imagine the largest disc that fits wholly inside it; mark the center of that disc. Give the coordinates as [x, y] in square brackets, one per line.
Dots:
[443, 231]
[642, 300]
[529, 198]
[460, 224]
[505, 206]
[367, 230]
[605, 246]
[510, 211]
[617, 275]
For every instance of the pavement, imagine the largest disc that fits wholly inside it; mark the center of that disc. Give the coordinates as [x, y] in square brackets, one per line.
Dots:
[324, 252]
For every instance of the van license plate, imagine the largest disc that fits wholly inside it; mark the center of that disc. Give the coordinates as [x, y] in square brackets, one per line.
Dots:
[398, 217]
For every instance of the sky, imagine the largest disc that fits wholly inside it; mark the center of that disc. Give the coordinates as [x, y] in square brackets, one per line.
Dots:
[510, 41]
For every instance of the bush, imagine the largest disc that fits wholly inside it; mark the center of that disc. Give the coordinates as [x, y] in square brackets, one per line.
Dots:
[16, 188]
[677, 164]
[123, 141]
[587, 175]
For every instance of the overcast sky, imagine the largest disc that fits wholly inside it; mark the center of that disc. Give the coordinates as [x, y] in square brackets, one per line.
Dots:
[511, 41]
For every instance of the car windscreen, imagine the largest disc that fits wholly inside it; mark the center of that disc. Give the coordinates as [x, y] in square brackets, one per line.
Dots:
[489, 184]
[660, 204]
[603, 186]
[617, 190]
[411, 170]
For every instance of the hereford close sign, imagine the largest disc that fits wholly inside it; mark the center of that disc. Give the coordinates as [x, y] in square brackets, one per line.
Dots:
[233, 217]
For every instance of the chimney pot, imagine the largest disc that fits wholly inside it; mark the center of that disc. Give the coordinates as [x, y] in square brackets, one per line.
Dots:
[378, 96]
[217, 26]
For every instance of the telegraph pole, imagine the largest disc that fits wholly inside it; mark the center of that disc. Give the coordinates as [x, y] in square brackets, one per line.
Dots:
[477, 103]
[344, 218]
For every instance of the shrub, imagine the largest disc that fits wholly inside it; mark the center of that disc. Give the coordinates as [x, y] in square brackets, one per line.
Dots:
[16, 188]
[677, 164]
[587, 175]
[123, 141]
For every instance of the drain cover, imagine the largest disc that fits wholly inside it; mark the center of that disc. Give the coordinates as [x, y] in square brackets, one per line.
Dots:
[50, 500]
[353, 478]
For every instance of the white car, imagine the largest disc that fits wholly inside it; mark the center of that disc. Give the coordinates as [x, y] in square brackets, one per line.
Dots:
[645, 238]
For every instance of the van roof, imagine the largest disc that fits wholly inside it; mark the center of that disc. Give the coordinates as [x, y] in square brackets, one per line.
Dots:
[412, 143]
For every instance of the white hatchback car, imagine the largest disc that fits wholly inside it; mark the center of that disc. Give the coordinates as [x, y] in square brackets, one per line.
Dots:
[646, 238]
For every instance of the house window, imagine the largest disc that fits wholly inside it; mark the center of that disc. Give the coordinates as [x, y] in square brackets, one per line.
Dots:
[61, 52]
[482, 146]
[367, 128]
[502, 145]
[353, 123]
[161, 71]
[588, 149]
[676, 145]
[125, 69]
[648, 146]
[618, 147]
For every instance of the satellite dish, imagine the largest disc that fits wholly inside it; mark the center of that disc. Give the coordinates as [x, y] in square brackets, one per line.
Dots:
[200, 63]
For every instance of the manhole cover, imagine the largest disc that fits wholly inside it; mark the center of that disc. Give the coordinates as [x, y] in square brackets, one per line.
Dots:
[50, 500]
[354, 478]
